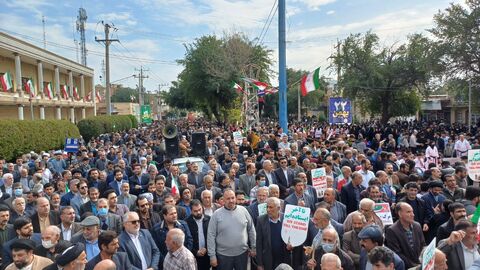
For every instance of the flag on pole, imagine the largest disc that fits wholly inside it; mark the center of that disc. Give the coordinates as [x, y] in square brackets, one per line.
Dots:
[311, 82]
[6, 81]
[30, 88]
[270, 91]
[75, 93]
[237, 87]
[99, 98]
[48, 90]
[257, 84]
[88, 97]
[64, 91]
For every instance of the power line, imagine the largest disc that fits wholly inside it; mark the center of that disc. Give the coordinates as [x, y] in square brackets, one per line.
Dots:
[266, 22]
[269, 23]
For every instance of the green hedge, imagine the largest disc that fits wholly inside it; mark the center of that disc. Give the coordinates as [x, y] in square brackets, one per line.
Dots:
[91, 127]
[18, 137]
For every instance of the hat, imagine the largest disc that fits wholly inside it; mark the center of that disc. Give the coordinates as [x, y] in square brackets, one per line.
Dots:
[435, 184]
[90, 221]
[37, 188]
[370, 232]
[45, 155]
[23, 244]
[70, 254]
[58, 152]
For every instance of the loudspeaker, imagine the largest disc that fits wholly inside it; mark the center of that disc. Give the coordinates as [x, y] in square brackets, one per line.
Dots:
[199, 144]
[171, 147]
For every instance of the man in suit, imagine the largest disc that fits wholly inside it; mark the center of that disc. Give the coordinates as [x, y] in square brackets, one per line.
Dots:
[350, 194]
[108, 221]
[195, 177]
[67, 225]
[6, 229]
[138, 243]
[350, 241]
[116, 184]
[198, 224]
[91, 205]
[109, 245]
[94, 180]
[247, 181]
[271, 250]
[462, 239]
[262, 195]
[208, 184]
[138, 185]
[79, 199]
[299, 196]
[432, 199]
[338, 210]
[457, 213]
[405, 236]
[89, 236]
[371, 237]
[126, 198]
[39, 218]
[284, 176]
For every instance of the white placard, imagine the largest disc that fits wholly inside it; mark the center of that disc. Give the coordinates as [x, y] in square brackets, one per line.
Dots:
[319, 181]
[295, 224]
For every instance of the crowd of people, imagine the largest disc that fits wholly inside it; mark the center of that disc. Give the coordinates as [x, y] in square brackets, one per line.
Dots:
[121, 201]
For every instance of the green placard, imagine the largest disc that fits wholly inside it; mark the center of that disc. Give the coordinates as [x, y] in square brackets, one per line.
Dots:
[146, 114]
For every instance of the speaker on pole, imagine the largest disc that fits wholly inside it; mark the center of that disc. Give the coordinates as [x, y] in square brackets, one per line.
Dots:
[199, 144]
[169, 133]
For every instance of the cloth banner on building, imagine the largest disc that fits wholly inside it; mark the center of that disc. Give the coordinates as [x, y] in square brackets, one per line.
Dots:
[340, 111]
[473, 165]
[146, 114]
[295, 224]
[319, 181]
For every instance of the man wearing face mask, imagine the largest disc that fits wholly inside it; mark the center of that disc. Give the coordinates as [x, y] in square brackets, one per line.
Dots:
[198, 224]
[108, 221]
[260, 181]
[329, 244]
[351, 242]
[51, 243]
[17, 193]
[370, 237]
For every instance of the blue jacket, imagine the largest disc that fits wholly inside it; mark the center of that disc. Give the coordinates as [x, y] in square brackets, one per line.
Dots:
[431, 203]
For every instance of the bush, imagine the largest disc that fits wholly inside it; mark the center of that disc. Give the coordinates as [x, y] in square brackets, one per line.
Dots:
[91, 127]
[18, 137]
[134, 120]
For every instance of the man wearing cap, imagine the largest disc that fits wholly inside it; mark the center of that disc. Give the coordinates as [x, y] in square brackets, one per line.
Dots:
[432, 199]
[72, 258]
[89, 236]
[370, 237]
[23, 257]
[57, 165]
[109, 245]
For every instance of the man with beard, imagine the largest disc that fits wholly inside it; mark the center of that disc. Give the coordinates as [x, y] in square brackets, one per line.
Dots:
[451, 191]
[148, 218]
[432, 199]
[72, 258]
[472, 199]
[23, 257]
[329, 244]
[370, 237]
[198, 224]
[91, 205]
[24, 230]
[351, 242]
[457, 212]
[109, 245]
[118, 180]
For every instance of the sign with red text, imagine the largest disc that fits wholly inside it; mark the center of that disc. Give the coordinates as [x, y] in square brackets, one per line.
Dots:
[383, 212]
[319, 181]
[295, 224]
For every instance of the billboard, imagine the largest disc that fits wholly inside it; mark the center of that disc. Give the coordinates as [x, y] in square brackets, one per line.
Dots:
[340, 111]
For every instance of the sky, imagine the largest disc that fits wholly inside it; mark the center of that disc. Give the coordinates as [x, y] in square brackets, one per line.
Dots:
[153, 33]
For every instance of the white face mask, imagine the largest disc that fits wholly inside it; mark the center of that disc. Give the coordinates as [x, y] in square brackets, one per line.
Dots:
[47, 244]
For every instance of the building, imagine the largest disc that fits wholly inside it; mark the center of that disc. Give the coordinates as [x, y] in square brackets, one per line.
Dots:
[41, 84]
[448, 109]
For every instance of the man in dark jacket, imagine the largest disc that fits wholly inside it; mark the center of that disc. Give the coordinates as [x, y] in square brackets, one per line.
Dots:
[198, 224]
[108, 244]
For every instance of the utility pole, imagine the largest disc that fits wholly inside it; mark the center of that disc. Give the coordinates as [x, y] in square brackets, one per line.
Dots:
[107, 42]
[282, 67]
[299, 117]
[140, 77]
[44, 35]
[469, 105]
[338, 69]
[159, 101]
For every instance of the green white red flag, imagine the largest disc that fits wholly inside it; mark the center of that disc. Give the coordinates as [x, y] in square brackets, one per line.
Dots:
[30, 87]
[311, 82]
[63, 88]
[6, 81]
[48, 91]
[75, 93]
[260, 86]
[237, 87]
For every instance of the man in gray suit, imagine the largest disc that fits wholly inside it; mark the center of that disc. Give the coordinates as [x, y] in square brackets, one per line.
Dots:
[271, 250]
[127, 198]
[108, 221]
[247, 180]
[464, 237]
[351, 242]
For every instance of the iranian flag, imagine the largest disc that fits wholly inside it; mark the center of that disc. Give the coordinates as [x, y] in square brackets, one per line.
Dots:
[88, 97]
[311, 82]
[30, 87]
[260, 86]
[6, 81]
[63, 88]
[75, 93]
[48, 90]
[237, 87]
[175, 189]
[99, 98]
[270, 91]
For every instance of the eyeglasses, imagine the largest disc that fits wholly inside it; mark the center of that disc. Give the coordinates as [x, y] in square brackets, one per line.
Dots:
[84, 187]
[134, 221]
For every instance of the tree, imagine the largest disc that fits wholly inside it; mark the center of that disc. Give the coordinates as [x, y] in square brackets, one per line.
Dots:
[210, 66]
[125, 94]
[385, 81]
[457, 32]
